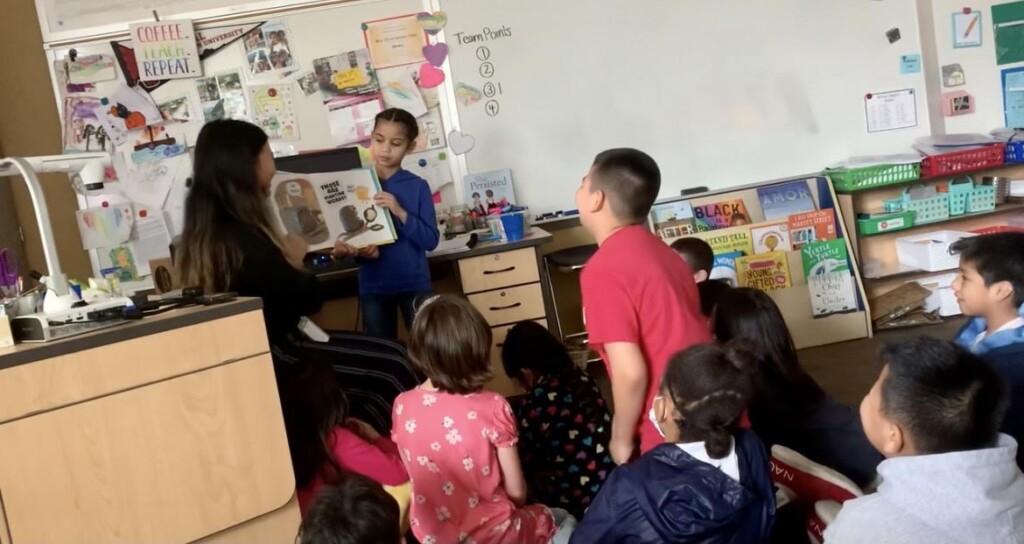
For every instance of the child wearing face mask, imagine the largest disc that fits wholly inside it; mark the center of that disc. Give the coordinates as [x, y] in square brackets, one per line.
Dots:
[709, 481]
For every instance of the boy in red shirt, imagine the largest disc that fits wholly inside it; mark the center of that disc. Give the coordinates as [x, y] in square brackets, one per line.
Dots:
[640, 302]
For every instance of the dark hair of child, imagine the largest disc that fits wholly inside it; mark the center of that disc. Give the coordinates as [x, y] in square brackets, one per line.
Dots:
[751, 315]
[402, 117]
[997, 257]
[710, 386]
[450, 342]
[355, 511]
[532, 347]
[696, 252]
[631, 180]
[313, 406]
[946, 398]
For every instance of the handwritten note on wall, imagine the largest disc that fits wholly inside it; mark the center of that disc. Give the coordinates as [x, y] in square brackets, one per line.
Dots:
[166, 50]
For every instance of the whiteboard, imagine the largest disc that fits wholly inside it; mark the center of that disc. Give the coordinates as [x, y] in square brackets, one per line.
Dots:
[721, 94]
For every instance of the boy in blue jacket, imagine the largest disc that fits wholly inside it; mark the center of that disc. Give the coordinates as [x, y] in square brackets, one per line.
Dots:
[709, 482]
[990, 289]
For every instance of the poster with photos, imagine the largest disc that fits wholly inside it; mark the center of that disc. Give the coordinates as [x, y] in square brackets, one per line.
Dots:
[269, 49]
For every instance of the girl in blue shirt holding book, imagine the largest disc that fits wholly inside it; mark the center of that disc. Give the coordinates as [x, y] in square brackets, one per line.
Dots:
[396, 277]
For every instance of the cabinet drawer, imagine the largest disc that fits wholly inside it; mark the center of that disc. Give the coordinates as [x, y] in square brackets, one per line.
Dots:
[512, 305]
[499, 270]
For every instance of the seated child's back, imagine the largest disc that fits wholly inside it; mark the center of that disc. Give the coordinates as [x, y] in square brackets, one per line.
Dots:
[949, 476]
[990, 289]
[564, 424]
[709, 482]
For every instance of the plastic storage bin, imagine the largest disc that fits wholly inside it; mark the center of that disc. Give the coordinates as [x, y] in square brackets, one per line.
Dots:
[868, 226]
[955, 162]
[848, 180]
[926, 210]
[929, 251]
[982, 199]
[942, 298]
[959, 191]
[1014, 151]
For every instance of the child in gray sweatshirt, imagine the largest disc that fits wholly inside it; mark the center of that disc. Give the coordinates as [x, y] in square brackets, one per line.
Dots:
[949, 475]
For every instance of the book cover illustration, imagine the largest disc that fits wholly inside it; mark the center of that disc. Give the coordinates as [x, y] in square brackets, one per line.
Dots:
[322, 208]
[724, 268]
[720, 215]
[785, 199]
[673, 220]
[829, 278]
[767, 272]
[770, 237]
[489, 191]
[816, 226]
[728, 240]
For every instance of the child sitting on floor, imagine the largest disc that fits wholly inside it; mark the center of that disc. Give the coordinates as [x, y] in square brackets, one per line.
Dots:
[564, 425]
[356, 511]
[950, 476]
[325, 443]
[990, 289]
[709, 481]
[700, 257]
[459, 441]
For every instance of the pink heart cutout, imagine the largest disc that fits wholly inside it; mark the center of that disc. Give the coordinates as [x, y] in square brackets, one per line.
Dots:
[435, 53]
[430, 77]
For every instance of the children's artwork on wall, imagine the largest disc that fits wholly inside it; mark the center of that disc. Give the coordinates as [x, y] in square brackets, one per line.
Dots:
[91, 69]
[273, 110]
[432, 23]
[460, 143]
[307, 83]
[166, 50]
[431, 166]
[394, 41]
[222, 96]
[435, 53]
[148, 182]
[430, 77]
[82, 128]
[102, 227]
[124, 110]
[64, 85]
[353, 123]
[953, 75]
[431, 131]
[347, 78]
[158, 142]
[467, 95]
[431, 96]
[399, 90]
[122, 262]
[268, 49]
[177, 109]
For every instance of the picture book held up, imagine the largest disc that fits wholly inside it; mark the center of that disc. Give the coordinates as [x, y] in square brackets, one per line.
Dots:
[322, 208]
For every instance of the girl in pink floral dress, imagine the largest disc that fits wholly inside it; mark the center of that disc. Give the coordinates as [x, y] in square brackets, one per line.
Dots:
[458, 442]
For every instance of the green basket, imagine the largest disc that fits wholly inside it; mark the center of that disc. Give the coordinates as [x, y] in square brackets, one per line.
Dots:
[858, 179]
[885, 223]
[982, 199]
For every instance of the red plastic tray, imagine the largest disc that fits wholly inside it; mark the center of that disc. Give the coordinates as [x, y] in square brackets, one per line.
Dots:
[960, 161]
[997, 229]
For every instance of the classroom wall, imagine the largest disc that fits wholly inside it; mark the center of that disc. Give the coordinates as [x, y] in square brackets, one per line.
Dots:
[29, 125]
[979, 64]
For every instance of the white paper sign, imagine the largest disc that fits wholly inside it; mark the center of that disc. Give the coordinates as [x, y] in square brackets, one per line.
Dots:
[891, 110]
[166, 50]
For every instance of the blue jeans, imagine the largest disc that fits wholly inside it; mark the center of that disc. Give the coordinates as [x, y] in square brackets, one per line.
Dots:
[380, 312]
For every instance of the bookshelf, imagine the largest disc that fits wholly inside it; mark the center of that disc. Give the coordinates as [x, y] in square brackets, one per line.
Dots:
[794, 301]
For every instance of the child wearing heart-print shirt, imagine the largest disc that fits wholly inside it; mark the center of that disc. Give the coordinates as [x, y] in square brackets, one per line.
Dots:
[458, 442]
[564, 424]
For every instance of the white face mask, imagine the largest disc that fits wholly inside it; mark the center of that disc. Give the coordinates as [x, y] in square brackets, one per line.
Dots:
[654, 418]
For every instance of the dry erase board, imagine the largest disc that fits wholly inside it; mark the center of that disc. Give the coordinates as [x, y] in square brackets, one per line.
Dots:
[721, 93]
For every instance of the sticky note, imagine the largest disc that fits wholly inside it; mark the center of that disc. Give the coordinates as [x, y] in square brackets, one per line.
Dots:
[910, 64]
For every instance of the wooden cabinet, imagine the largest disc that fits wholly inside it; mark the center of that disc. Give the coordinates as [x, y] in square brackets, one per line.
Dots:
[506, 287]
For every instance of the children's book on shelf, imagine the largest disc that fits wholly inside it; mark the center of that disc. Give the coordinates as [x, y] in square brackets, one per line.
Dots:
[720, 215]
[769, 237]
[728, 240]
[829, 278]
[816, 226]
[782, 200]
[325, 207]
[672, 220]
[489, 191]
[724, 267]
[767, 272]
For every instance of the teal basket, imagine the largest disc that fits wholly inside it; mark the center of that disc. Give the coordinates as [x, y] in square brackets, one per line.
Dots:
[927, 210]
[982, 199]
[959, 193]
[848, 180]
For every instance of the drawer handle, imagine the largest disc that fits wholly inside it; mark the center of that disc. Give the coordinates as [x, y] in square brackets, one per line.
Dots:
[499, 345]
[502, 271]
[509, 307]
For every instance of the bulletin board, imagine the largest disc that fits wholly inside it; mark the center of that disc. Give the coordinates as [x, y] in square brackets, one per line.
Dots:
[313, 32]
[721, 94]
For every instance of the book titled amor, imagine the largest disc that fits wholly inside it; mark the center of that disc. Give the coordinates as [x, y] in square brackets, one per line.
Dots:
[816, 226]
[767, 272]
[782, 200]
